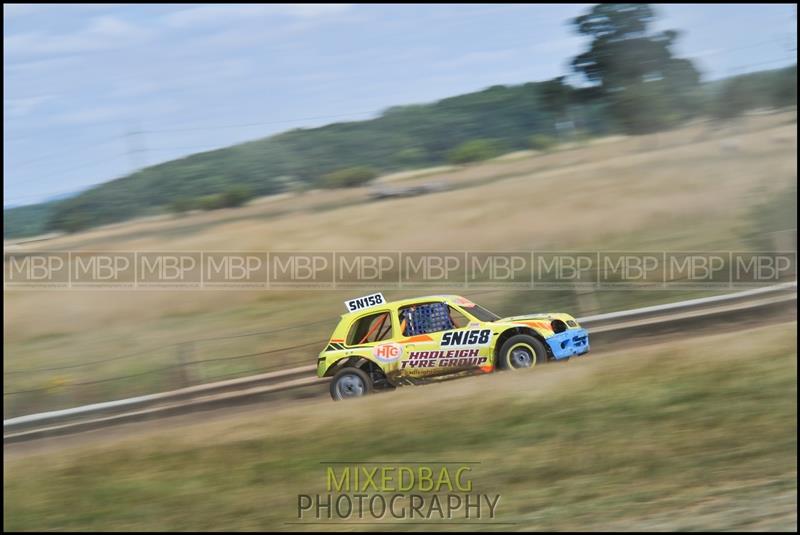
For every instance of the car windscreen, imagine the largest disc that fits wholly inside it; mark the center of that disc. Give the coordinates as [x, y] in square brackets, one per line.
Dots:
[481, 313]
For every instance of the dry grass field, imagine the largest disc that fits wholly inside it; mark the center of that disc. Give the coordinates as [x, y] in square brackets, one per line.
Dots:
[691, 435]
[689, 189]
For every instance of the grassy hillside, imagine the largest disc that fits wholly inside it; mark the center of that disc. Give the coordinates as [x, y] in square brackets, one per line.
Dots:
[402, 137]
[405, 137]
[27, 220]
[692, 435]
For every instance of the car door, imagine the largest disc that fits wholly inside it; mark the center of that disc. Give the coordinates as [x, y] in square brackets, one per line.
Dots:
[372, 335]
[440, 340]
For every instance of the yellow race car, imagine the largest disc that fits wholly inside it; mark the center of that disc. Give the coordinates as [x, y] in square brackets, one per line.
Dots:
[381, 345]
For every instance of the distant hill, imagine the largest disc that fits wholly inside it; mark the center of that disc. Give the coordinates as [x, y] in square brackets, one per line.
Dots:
[26, 220]
[403, 137]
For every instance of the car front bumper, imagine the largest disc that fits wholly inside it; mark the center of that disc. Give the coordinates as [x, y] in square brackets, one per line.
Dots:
[571, 342]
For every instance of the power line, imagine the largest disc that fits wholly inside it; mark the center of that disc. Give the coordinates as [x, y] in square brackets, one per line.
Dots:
[318, 117]
[136, 146]
[739, 48]
[195, 148]
[68, 170]
[54, 155]
[136, 149]
[249, 125]
[140, 149]
[761, 64]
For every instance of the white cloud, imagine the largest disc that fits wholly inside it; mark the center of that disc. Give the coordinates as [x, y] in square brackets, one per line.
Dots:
[228, 38]
[94, 114]
[214, 14]
[708, 52]
[313, 10]
[121, 114]
[135, 88]
[42, 66]
[17, 10]
[476, 58]
[566, 46]
[19, 107]
[100, 34]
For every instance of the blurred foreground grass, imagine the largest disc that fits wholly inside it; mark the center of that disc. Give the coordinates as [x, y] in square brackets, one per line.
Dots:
[691, 435]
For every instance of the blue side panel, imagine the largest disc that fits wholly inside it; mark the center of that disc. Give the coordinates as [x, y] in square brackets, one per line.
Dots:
[569, 343]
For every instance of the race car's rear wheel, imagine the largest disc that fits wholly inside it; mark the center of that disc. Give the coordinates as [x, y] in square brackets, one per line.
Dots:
[350, 383]
[520, 352]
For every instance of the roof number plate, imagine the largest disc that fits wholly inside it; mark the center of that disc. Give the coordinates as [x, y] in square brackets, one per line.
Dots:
[367, 301]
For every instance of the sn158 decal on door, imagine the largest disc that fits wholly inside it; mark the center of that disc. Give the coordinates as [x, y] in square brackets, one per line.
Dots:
[471, 337]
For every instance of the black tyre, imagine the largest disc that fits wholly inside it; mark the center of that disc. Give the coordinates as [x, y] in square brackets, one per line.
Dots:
[350, 383]
[521, 351]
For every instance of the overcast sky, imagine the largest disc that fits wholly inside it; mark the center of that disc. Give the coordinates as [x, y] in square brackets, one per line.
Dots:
[78, 80]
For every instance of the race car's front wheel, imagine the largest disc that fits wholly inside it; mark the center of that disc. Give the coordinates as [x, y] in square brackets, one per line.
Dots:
[521, 351]
[350, 383]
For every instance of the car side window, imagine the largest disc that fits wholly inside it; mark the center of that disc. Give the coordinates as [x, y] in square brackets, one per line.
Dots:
[369, 329]
[424, 318]
[459, 320]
